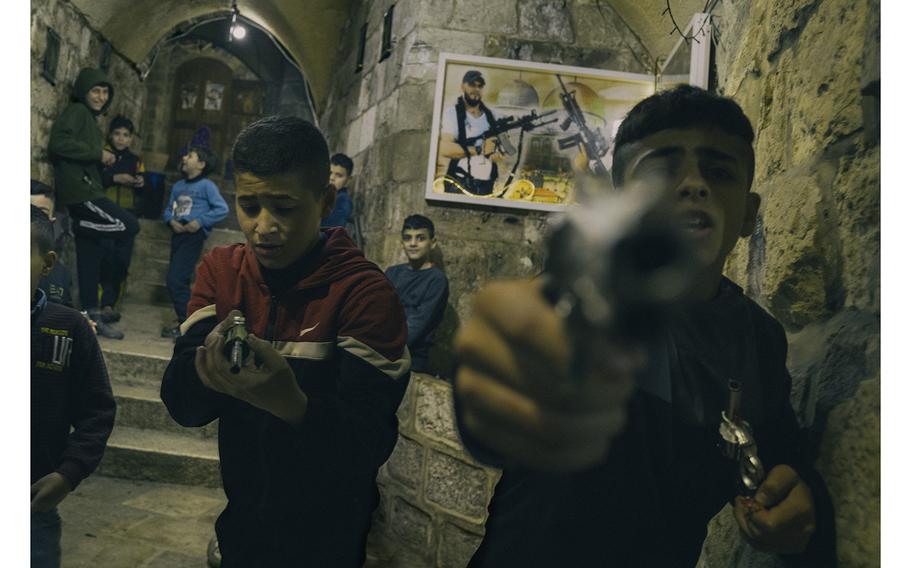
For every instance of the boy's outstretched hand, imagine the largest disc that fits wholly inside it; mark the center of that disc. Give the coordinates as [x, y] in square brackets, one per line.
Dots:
[514, 387]
[271, 386]
[49, 491]
[781, 517]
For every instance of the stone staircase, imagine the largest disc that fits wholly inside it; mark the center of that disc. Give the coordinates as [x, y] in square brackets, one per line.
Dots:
[146, 443]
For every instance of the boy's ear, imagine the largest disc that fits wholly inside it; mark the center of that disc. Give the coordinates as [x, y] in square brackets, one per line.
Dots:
[50, 259]
[433, 243]
[750, 215]
[328, 200]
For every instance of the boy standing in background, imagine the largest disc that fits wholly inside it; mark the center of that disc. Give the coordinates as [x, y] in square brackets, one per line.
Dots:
[193, 208]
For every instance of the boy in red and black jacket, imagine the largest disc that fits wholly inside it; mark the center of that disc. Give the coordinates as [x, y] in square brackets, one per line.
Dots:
[306, 423]
[70, 389]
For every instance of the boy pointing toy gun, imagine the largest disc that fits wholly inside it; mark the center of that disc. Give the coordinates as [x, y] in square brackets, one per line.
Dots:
[606, 419]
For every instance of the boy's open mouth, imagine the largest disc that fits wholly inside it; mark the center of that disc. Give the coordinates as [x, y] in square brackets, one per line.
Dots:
[268, 249]
[695, 222]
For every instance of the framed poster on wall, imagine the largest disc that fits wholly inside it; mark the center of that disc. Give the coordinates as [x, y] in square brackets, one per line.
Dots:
[517, 134]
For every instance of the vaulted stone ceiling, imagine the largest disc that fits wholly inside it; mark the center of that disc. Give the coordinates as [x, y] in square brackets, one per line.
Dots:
[311, 29]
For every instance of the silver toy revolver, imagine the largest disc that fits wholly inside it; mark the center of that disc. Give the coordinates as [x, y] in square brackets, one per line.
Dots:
[738, 442]
[236, 348]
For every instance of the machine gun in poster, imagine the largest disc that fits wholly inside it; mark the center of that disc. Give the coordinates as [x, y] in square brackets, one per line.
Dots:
[591, 140]
[505, 124]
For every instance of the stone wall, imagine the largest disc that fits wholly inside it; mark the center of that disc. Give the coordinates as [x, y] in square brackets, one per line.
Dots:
[434, 496]
[381, 117]
[806, 72]
[80, 46]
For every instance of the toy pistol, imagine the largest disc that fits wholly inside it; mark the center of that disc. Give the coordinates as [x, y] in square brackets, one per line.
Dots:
[738, 442]
[236, 348]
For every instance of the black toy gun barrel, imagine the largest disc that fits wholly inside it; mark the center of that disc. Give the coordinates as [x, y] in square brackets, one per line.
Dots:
[236, 349]
[616, 266]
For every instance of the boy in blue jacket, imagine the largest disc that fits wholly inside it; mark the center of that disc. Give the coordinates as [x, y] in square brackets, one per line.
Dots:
[193, 208]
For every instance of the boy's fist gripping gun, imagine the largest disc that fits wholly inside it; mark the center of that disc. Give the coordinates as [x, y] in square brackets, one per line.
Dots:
[547, 367]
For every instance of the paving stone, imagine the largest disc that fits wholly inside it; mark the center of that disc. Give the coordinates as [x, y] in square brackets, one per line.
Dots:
[405, 463]
[169, 559]
[410, 524]
[178, 502]
[113, 553]
[457, 486]
[435, 415]
[182, 535]
[456, 546]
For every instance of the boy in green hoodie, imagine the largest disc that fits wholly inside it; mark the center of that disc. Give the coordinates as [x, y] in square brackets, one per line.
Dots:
[101, 227]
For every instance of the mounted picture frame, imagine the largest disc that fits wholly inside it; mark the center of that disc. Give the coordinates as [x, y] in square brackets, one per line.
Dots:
[530, 155]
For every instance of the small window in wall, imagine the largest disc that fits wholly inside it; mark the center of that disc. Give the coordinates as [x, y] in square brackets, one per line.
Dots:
[51, 57]
[361, 49]
[105, 62]
[386, 50]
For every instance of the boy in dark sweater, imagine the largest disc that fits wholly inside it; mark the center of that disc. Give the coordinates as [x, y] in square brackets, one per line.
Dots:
[310, 417]
[193, 208]
[126, 175]
[104, 231]
[622, 467]
[340, 169]
[423, 288]
[70, 389]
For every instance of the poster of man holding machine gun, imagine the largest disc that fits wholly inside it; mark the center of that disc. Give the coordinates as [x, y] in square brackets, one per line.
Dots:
[522, 134]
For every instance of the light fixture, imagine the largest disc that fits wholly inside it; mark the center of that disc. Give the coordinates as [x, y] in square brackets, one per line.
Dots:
[237, 31]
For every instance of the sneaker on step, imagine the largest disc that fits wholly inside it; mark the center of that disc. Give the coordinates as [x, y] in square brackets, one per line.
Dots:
[107, 330]
[108, 315]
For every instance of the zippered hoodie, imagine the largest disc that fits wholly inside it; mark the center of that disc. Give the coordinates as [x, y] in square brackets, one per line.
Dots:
[75, 143]
[299, 496]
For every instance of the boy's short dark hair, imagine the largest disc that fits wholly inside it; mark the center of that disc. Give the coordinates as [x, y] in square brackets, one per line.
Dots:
[415, 222]
[205, 154]
[42, 230]
[277, 145]
[683, 106]
[39, 188]
[344, 161]
[121, 121]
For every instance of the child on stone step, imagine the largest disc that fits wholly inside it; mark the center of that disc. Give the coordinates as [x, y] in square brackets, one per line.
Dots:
[193, 208]
[70, 390]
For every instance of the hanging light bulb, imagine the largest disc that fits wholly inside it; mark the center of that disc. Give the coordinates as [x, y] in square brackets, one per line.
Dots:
[237, 31]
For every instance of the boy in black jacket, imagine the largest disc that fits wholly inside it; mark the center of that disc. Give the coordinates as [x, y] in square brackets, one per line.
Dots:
[622, 467]
[307, 421]
[70, 389]
[124, 178]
